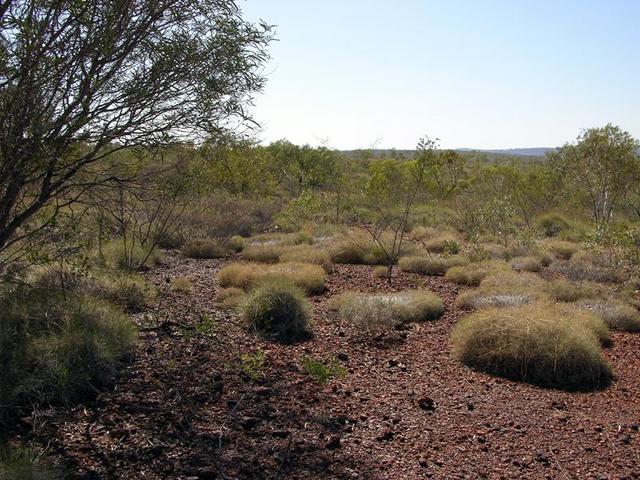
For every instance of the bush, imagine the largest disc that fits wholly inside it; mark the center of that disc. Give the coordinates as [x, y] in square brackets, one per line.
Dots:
[203, 248]
[617, 315]
[374, 311]
[182, 284]
[306, 276]
[551, 224]
[591, 267]
[236, 243]
[474, 273]
[58, 348]
[380, 271]
[430, 265]
[536, 343]
[278, 310]
[133, 257]
[561, 249]
[307, 254]
[526, 264]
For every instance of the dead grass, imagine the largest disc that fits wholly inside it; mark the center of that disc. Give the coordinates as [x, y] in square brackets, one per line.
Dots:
[182, 285]
[536, 343]
[308, 277]
[263, 253]
[563, 290]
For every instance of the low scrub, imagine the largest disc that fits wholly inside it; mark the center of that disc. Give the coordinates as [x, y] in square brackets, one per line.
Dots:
[446, 242]
[323, 371]
[230, 298]
[308, 277]
[616, 314]
[58, 348]
[25, 464]
[130, 291]
[474, 273]
[537, 343]
[561, 249]
[590, 267]
[431, 265]
[278, 310]
[375, 311]
[203, 248]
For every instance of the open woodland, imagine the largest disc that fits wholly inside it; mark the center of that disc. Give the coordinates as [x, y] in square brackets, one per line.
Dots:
[178, 300]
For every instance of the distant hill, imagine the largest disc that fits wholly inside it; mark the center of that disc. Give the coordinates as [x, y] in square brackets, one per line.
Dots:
[514, 152]
[497, 154]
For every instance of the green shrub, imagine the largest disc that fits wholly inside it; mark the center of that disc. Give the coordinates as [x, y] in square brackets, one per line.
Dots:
[252, 364]
[26, 464]
[323, 370]
[278, 310]
[375, 311]
[551, 224]
[306, 276]
[203, 248]
[445, 243]
[474, 273]
[535, 343]
[617, 315]
[430, 265]
[182, 284]
[58, 348]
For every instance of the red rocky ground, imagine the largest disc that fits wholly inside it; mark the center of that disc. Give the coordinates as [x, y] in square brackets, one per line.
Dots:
[183, 409]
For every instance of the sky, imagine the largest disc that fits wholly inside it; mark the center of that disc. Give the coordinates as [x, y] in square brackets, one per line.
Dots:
[477, 74]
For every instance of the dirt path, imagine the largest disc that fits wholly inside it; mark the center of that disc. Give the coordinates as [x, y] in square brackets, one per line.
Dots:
[405, 410]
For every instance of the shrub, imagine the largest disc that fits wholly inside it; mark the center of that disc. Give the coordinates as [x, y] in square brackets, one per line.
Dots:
[430, 265]
[263, 252]
[307, 254]
[526, 264]
[536, 343]
[278, 310]
[474, 273]
[617, 315]
[182, 284]
[551, 224]
[567, 291]
[374, 311]
[58, 348]
[561, 249]
[133, 257]
[26, 464]
[308, 277]
[323, 370]
[203, 248]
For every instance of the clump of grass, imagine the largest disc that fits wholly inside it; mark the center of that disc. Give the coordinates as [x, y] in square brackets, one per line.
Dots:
[446, 243]
[182, 284]
[57, 347]
[306, 276]
[203, 248]
[616, 314]
[263, 253]
[561, 249]
[307, 254]
[504, 289]
[131, 291]
[474, 273]
[18, 463]
[591, 266]
[230, 298]
[380, 271]
[563, 290]
[376, 311]
[252, 364]
[130, 255]
[526, 264]
[431, 265]
[552, 224]
[278, 310]
[323, 370]
[236, 243]
[536, 343]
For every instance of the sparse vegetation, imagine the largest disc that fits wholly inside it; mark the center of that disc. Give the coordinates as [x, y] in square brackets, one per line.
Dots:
[474, 273]
[323, 371]
[431, 265]
[182, 284]
[308, 277]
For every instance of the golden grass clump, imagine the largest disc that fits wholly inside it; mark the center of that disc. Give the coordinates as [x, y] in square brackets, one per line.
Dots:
[203, 248]
[444, 242]
[504, 289]
[474, 273]
[380, 271]
[615, 313]
[538, 343]
[182, 284]
[431, 265]
[374, 311]
[306, 276]
[230, 298]
[263, 252]
[307, 254]
[526, 264]
[561, 249]
[563, 290]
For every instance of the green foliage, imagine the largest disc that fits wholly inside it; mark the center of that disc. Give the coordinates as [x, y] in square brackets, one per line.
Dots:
[537, 343]
[252, 364]
[278, 310]
[323, 371]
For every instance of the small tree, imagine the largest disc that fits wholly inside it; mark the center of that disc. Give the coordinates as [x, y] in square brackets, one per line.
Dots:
[393, 188]
[603, 164]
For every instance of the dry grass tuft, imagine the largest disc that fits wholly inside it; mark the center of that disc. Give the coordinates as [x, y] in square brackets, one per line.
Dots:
[474, 273]
[536, 343]
[308, 277]
[561, 249]
[431, 265]
[307, 254]
[504, 289]
[526, 264]
[563, 290]
[203, 248]
[182, 284]
[616, 314]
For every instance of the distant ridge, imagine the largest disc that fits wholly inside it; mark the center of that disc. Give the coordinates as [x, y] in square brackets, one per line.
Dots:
[517, 152]
[497, 153]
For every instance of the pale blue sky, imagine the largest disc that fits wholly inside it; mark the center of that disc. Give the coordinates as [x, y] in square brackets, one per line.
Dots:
[480, 74]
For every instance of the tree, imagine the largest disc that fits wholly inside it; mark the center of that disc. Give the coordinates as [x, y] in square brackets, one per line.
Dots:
[82, 80]
[603, 164]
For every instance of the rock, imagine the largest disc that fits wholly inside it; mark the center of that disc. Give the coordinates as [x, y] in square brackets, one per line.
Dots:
[333, 443]
[427, 404]
[343, 357]
[542, 458]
